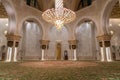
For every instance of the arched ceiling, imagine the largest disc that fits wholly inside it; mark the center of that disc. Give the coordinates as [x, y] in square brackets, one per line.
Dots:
[71, 4]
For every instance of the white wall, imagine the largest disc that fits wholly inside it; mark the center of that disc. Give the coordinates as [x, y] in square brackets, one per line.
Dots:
[31, 37]
[58, 36]
[86, 48]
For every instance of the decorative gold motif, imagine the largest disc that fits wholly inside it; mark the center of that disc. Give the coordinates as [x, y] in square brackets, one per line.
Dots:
[106, 44]
[104, 38]
[44, 42]
[13, 37]
[72, 42]
[3, 13]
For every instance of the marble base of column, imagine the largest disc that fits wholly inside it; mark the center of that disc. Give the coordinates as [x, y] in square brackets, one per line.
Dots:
[15, 55]
[108, 54]
[9, 54]
[75, 56]
[13, 42]
[102, 54]
[42, 58]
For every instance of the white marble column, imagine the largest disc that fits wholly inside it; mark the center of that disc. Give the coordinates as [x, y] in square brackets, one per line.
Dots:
[102, 54]
[108, 54]
[105, 49]
[13, 51]
[43, 52]
[105, 54]
[73, 44]
[13, 42]
[70, 57]
[44, 45]
[75, 56]
[15, 55]
[9, 54]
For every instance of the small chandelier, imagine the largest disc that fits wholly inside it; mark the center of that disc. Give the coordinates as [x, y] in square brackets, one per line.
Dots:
[59, 16]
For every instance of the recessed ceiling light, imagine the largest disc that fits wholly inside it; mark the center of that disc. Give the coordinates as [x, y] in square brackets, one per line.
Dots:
[119, 24]
[110, 25]
[111, 32]
[6, 24]
[5, 32]
[91, 22]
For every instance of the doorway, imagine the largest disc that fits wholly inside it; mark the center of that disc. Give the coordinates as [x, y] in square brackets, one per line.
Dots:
[58, 51]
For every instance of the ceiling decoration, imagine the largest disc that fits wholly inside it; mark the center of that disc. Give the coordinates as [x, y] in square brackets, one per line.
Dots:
[70, 4]
[3, 13]
[116, 11]
[74, 5]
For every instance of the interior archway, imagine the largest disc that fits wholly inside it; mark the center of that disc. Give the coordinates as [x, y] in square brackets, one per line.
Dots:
[3, 31]
[30, 42]
[58, 37]
[87, 47]
[114, 29]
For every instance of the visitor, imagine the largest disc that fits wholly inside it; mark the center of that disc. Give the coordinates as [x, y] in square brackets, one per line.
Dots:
[3, 51]
[65, 55]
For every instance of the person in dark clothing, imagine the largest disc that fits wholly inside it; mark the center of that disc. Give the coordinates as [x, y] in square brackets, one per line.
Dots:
[3, 50]
[65, 55]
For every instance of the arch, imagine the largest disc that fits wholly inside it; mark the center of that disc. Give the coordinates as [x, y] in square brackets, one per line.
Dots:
[86, 19]
[34, 19]
[30, 42]
[106, 23]
[87, 45]
[11, 15]
[106, 13]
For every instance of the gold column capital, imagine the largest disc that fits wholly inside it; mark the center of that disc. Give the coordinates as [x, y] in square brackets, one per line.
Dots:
[72, 42]
[44, 42]
[104, 38]
[12, 37]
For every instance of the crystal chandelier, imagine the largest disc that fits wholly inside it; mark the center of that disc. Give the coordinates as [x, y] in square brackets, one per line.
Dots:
[59, 16]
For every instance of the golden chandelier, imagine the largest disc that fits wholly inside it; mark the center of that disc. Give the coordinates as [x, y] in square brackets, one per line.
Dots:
[60, 15]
